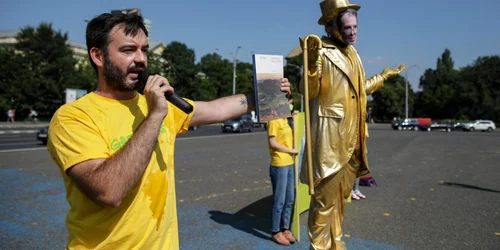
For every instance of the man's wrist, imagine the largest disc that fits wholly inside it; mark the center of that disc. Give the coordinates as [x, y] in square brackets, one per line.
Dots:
[250, 99]
[385, 75]
[155, 118]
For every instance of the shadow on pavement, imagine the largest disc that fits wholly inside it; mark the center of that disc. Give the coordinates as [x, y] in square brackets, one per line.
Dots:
[469, 186]
[250, 219]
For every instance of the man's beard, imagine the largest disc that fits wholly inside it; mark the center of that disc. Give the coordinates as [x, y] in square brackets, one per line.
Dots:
[116, 79]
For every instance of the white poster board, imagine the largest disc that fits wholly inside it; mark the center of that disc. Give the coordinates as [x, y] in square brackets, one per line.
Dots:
[73, 94]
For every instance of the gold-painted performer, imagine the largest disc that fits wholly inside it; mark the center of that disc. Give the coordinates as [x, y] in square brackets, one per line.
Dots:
[337, 92]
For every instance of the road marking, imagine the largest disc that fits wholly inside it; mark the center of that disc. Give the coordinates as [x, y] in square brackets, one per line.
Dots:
[27, 143]
[22, 149]
[5, 132]
[217, 195]
[181, 139]
[15, 138]
[214, 136]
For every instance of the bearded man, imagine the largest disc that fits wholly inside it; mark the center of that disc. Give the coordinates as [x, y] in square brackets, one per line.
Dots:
[115, 146]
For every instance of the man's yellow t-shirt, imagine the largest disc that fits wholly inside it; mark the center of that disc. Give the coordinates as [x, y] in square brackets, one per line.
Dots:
[97, 127]
[280, 129]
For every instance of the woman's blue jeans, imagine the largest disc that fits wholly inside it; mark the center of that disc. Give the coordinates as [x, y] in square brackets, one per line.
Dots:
[282, 180]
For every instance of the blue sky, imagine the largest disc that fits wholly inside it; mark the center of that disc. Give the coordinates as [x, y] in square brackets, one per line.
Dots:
[397, 31]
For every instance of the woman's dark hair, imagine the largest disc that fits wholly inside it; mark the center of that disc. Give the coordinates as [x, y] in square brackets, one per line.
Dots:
[97, 34]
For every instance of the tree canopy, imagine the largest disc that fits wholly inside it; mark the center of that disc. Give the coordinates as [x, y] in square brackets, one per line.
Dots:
[42, 65]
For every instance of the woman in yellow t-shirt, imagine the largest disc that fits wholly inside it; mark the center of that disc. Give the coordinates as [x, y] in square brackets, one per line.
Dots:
[281, 171]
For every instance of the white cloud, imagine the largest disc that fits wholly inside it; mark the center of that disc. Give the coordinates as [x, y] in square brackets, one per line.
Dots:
[376, 60]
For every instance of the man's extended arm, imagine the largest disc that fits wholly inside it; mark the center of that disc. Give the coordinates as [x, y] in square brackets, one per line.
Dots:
[377, 81]
[374, 83]
[222, 109]
[225, 108]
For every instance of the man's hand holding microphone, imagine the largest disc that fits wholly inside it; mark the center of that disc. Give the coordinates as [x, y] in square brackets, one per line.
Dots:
[156, 88]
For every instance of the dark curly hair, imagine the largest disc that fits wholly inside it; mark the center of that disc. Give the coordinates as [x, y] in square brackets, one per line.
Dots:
[97, 34]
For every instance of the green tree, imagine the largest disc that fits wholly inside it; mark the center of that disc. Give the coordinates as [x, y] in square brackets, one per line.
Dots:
[479, 90]
[439, 86]
[293, 72]
[84, 76]
[47, 68]
[10, 73]
[389, 101]
[181, 69]
[156, 64]
[218, 76]
[244, 77]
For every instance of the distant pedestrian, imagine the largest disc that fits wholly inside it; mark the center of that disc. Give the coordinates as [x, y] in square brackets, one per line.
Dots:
[355, 193]
[11, 115]
[33, 116]
[370, 116]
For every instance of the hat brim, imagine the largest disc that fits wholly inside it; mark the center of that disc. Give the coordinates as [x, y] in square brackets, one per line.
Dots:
[324, 19]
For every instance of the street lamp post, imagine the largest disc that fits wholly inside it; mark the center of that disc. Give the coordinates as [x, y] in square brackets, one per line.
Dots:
[406, 88]
[234, 69]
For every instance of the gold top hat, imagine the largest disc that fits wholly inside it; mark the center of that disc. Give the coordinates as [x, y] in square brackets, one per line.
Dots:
[331, 8]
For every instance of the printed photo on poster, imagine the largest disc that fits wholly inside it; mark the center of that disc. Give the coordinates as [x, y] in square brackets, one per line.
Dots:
[271, 102]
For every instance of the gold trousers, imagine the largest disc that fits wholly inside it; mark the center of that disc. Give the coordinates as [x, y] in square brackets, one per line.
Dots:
[326, 212]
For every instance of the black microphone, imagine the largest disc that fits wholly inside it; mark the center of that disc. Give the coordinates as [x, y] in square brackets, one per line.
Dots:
[174, 98]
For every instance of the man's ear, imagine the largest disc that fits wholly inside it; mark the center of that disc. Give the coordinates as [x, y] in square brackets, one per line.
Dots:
[97, 56]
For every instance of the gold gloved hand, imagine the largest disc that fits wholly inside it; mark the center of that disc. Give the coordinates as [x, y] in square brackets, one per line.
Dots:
[313, 46]
[388, 72]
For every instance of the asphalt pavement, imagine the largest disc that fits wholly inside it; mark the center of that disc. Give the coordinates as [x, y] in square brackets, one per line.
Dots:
[434, 190]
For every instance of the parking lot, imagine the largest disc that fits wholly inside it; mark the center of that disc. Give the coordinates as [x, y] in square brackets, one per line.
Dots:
[435, 190]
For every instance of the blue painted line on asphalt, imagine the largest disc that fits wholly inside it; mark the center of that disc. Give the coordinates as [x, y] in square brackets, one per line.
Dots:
[34, 208]
[33, 211]
[16, 231]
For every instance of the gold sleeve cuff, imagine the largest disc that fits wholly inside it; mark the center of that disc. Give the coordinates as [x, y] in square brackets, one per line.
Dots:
[312, 74]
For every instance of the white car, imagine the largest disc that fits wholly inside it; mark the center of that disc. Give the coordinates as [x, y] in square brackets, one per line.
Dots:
[482, 125]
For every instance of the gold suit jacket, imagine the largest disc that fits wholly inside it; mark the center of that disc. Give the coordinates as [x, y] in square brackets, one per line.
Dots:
[337, 106]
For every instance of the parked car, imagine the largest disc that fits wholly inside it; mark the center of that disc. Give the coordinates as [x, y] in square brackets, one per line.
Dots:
[404, 124]
[240, 124]
[438, 126]
[410, 123]
[43, 134]
[459, 125]
[481, 125]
